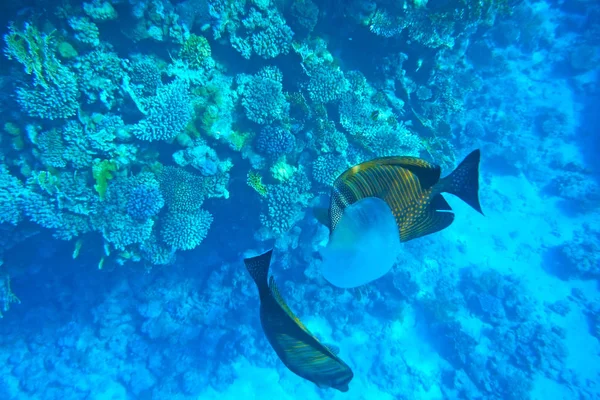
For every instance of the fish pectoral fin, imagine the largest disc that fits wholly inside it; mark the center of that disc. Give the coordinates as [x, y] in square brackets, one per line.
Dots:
[321, 385]
[439, 203]
[333, 349]
[438, 216]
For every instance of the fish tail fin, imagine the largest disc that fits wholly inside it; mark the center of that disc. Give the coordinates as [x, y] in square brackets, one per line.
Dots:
[464, 181]
[258, 267]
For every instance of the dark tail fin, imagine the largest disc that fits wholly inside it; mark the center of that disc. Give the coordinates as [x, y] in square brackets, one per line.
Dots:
[258, 267]
[464, 181]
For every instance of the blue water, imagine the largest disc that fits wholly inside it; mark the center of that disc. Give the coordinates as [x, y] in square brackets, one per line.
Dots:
[149, 146]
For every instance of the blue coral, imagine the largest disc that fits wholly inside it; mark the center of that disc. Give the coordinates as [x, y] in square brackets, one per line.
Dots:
[276, 39]
[168, 113]
[275, 141]
[11, 191]
[186, 230]
[55, 101]
[284, 202]
[182, 190]
[146, 75]
[328, 167]
[327, 83]
[145, 201]
[264, 101]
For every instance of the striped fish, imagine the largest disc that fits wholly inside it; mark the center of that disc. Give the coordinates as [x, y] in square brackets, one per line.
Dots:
[297, 348]
[411, 187]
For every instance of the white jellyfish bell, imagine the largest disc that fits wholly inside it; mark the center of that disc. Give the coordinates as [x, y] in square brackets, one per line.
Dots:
[364, 245]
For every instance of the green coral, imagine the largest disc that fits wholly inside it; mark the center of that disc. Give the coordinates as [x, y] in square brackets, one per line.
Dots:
[35, 51]
[102, 172]
[254, 180]
[195, 51]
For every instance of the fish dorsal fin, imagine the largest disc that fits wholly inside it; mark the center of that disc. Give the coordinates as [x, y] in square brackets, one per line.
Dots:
[332, 348]
[279, 299]
[258, 267]
[427, 173]
[435, 218]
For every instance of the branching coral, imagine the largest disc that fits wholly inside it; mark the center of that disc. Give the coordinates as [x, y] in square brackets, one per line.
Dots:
[145, 76]
[101, 75]
[145, 201]
[168, 113]
[85, 30]
[54, 92]
[327, 168]
[11, 190]
[186, 230]
[263, 100]
[275, 141]
[284, 202]
[326, 84]
[62, 203]
[182, 191]
[196, 52]
[52, 149]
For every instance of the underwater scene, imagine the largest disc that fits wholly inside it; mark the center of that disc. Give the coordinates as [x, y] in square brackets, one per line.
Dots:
[299, 199]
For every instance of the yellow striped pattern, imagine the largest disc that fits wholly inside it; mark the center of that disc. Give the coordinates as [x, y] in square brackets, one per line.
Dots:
[299, 350]
[390, 180]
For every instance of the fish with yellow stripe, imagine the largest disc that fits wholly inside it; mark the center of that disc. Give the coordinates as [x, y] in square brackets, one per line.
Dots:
[411, 187]
[297, 348]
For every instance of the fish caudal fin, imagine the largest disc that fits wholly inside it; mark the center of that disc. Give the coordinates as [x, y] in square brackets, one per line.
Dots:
[464, 181]
[258, 267]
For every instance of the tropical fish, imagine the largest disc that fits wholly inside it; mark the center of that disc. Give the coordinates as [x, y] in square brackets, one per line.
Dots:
[297, 348]
[412, 189]
[370, 224]
[375, 115]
